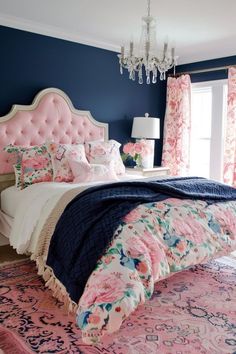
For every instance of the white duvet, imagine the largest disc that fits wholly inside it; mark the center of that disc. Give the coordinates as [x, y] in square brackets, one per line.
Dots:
[39, 199]
[37, 202]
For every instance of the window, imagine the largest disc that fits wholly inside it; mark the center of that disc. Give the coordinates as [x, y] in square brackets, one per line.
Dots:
[209, 102]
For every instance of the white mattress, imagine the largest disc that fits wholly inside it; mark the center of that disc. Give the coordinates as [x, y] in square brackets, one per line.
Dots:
[11, 197]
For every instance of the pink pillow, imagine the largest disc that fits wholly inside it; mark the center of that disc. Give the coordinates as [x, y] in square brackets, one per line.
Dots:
[85, 172]
[103, 152]
[61, 168]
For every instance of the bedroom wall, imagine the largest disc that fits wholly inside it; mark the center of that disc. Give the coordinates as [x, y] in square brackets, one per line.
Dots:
[90, 76]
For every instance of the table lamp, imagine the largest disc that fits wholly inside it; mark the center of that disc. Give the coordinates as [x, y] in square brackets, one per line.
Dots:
[147, 128]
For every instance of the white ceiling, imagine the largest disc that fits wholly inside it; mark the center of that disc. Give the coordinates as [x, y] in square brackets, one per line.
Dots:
[200, 29]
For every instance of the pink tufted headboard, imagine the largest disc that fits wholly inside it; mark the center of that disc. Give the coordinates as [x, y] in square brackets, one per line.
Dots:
[51, 117]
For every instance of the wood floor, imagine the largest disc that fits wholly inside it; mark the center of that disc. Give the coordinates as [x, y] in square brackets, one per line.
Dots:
[8, 254]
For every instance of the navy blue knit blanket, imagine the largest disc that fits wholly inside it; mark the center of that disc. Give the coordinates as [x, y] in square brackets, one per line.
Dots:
[89, 221]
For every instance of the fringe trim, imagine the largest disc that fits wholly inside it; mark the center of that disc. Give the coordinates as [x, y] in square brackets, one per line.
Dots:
[58, 289]
[41, 251]
[93, 336]
[49, 226]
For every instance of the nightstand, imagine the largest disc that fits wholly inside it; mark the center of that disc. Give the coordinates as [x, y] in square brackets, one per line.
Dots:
[148, 172]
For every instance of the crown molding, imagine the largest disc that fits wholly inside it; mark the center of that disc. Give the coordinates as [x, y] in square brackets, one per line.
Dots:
[72, 36]
[53, 31]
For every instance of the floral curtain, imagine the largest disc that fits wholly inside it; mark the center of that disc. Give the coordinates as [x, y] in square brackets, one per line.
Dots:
[177, 124]
[230, 132]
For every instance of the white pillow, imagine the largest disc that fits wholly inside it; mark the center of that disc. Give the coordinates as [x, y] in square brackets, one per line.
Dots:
[103, 152]
[85, 172]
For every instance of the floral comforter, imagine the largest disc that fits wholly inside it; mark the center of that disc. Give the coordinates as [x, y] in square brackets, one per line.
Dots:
[154, 241]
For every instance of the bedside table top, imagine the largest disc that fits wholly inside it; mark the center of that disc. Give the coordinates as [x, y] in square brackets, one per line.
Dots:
[153, 169]
[156, 171]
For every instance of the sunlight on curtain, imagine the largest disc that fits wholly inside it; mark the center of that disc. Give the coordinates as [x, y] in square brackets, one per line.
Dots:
[176, 141]
[230, 132]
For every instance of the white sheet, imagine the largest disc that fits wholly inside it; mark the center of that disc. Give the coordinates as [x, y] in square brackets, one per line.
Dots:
[34, 208]
[6, 223]
[10, 199]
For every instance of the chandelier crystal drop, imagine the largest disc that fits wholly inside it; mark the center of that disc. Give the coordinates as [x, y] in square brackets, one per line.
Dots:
[146, 56]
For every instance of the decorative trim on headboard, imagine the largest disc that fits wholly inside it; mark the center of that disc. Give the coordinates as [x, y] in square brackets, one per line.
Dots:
[51, 117]
[16, 107]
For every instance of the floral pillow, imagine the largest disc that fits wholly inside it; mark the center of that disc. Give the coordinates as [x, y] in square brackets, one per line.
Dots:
[103, 152]
[16, 153]
[17, 170]
[36, 166]
[61, 168]
[32, 164]
[85, 172]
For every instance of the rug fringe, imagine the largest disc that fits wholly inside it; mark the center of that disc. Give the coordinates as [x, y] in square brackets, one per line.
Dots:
[58, 289]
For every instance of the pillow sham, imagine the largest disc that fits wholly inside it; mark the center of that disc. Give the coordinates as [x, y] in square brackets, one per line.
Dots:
[36, 166]
[103, 152]
[61, 168]
[16, 153]
[85, 172]
[32, 164]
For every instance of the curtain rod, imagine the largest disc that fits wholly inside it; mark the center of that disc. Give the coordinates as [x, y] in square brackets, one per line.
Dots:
[201, 71]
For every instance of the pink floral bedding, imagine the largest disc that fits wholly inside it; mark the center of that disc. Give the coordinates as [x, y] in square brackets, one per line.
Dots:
[155, 241]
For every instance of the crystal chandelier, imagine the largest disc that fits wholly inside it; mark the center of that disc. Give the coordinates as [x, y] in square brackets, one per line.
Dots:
[147, 57]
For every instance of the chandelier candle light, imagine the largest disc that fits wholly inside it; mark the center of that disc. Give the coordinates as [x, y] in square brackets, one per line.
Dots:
[147, 57]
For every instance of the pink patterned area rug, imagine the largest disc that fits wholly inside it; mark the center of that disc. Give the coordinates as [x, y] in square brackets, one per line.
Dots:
[193, 312]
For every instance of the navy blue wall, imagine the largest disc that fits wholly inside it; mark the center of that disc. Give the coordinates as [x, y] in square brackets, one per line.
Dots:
[90, 77]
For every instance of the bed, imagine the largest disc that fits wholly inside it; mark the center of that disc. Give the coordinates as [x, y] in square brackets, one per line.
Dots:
[37, 123]
[139, 240]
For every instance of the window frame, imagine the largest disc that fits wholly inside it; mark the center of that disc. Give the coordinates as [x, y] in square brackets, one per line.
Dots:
[218, 111]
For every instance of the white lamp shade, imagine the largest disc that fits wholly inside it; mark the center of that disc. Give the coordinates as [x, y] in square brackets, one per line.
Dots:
[146, 127]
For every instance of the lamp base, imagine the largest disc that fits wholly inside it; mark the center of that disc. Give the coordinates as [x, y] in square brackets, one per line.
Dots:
[148, 159]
